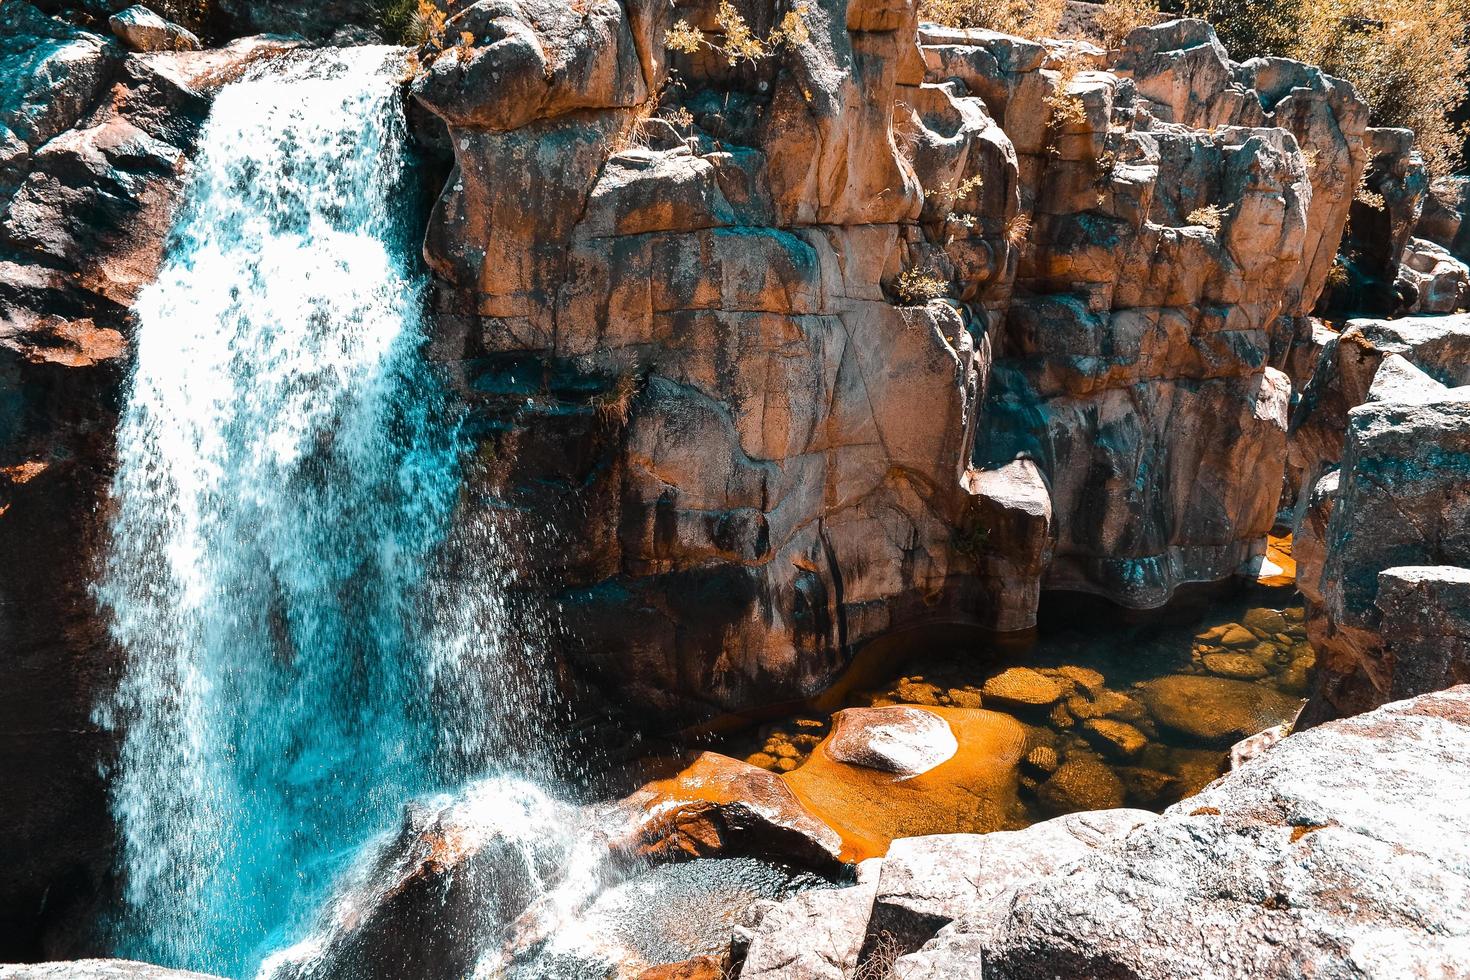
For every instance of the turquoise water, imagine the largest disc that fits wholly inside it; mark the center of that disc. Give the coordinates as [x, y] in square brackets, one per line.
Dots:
[303, 654]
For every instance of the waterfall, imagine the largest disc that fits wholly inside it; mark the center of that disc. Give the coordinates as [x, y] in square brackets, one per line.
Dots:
[300, 655]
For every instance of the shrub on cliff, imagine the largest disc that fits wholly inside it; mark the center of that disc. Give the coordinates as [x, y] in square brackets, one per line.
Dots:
[1407, 58]
[1026, 18]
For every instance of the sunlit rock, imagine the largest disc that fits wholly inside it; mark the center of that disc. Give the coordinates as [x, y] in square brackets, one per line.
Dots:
[902, 741]
[143, 30]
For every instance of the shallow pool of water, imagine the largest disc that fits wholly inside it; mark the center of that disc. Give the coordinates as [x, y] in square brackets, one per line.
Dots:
[1114, 713]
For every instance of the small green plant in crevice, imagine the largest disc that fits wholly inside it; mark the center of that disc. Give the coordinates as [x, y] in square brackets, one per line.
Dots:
[1064, 109]
[737, 43]
[1338, 276]
[915, 287]
[972, 541]
[948, 196]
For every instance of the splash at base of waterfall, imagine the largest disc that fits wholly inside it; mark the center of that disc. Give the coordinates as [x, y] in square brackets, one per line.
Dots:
[502, 882]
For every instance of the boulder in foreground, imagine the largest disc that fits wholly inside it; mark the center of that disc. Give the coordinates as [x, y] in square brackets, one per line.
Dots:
[1343, 851]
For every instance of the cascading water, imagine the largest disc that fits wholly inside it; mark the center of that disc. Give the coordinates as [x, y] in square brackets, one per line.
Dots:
[300, 660]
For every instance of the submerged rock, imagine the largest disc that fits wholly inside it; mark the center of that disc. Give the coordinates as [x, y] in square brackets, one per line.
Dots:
[1081, 784]
[1214, 710]
[1022, 687]
[1116, 738]
[1237, 665]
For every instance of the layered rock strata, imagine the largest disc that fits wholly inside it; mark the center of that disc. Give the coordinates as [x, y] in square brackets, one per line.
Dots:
[690, 301]
[1381, 538]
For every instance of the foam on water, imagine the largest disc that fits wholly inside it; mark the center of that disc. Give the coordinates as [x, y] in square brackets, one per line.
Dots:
[301, 655]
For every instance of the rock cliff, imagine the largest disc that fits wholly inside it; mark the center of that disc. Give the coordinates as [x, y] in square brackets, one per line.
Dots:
[1383, 535]
[891, 324]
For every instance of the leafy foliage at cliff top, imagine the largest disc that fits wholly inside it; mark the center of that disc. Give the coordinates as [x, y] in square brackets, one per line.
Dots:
[1407, 58]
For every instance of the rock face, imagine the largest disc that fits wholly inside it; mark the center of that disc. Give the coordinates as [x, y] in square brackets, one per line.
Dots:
[699, 337]
[1338, 852]
[142, 30]
[1397, 499]
[721, 807]
[92, 144]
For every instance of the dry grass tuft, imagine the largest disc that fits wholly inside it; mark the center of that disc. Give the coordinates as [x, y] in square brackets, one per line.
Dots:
[915, 287]
[1026, 19]
[1118, 18]
[879, 963]
[1210, 216]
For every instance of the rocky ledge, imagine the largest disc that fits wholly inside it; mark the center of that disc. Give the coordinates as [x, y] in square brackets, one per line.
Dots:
[1339, 852]
[1343, 851]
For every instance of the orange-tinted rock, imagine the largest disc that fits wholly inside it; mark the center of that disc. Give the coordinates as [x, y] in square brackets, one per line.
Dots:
[1215, 710]
[698, 968]
[721, 807]
[972, 792]
[1021, 687]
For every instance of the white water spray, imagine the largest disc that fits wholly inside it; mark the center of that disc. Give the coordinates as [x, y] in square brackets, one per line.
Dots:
[297, 665]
